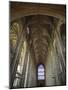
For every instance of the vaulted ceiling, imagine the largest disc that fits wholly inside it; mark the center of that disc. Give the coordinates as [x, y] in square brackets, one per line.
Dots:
[40, 27]
[40, 20]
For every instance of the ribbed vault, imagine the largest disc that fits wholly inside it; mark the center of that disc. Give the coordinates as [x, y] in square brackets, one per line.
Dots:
[35, 30]
[40, 27]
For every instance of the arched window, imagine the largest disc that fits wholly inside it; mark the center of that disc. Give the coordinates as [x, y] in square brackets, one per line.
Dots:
[41, 75]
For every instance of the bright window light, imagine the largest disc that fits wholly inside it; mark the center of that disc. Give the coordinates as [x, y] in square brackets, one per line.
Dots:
[41, 72]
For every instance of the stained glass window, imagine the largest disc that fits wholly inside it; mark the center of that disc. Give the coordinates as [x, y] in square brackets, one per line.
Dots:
[41, 72]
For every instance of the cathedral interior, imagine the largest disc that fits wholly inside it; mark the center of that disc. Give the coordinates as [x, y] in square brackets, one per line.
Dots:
[37, 39]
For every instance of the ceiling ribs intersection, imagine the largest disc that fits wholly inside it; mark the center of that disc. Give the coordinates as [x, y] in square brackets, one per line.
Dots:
[40, 29]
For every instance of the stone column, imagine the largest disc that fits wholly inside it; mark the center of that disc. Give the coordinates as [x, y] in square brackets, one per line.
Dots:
[13, 67]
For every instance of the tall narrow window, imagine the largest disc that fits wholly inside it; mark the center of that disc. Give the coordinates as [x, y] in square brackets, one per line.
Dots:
[41, 72]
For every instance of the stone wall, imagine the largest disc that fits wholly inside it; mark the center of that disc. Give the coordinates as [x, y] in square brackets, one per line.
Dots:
[55, 64]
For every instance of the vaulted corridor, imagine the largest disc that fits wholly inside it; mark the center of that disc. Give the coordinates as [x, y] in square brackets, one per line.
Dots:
[37, 45]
